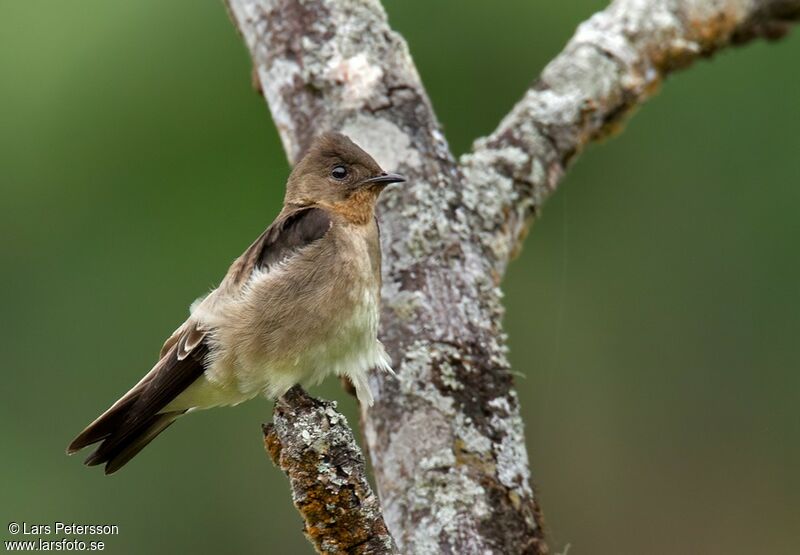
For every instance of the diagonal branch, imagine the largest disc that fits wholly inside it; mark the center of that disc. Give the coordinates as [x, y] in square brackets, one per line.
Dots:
[311, 442]
[615, 61]
[446, 438]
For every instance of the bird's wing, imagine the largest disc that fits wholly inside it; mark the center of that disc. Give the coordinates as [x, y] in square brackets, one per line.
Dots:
[292, 230]
[134, 419]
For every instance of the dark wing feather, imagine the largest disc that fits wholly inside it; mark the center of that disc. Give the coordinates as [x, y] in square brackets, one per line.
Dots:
[297, 230]
[133, 421]
[290, 232]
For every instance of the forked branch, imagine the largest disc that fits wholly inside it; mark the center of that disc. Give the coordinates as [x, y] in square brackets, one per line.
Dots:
[446, 437]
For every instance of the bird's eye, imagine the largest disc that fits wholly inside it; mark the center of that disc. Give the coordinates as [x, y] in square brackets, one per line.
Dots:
[339, 172]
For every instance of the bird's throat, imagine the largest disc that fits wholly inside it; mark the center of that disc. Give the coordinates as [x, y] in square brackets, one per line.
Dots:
[359, 208]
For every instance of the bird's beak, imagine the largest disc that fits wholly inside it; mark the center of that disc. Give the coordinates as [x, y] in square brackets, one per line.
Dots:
[385, 179]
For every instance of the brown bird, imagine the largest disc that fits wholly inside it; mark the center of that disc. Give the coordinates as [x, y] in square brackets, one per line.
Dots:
[302, 302]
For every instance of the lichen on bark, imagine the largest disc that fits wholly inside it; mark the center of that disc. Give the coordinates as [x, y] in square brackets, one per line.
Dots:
[446, 437]
[311, 442]
[615, 61]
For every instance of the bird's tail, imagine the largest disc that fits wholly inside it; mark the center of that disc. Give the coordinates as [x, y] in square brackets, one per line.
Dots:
[141, 414]
[123, 431]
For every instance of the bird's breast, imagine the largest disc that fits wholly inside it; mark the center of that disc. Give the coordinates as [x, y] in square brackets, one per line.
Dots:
[316, 314]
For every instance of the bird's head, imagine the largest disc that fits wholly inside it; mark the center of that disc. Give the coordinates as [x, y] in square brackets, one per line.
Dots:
[338, 173]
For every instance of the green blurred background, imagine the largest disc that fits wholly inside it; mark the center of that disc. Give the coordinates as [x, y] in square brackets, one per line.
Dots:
[654, 313]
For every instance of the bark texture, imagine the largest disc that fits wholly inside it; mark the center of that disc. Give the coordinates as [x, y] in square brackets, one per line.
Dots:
[615, 61]
[446, 437]
[311, 442]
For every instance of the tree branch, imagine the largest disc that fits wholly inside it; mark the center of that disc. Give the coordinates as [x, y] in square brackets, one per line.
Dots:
[615, 61]
[311, 442]
[446, 437]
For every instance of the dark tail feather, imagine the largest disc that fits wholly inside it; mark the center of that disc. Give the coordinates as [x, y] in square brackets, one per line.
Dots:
[136, 419]
[124, 431]
[105, 425]
[120, 447]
